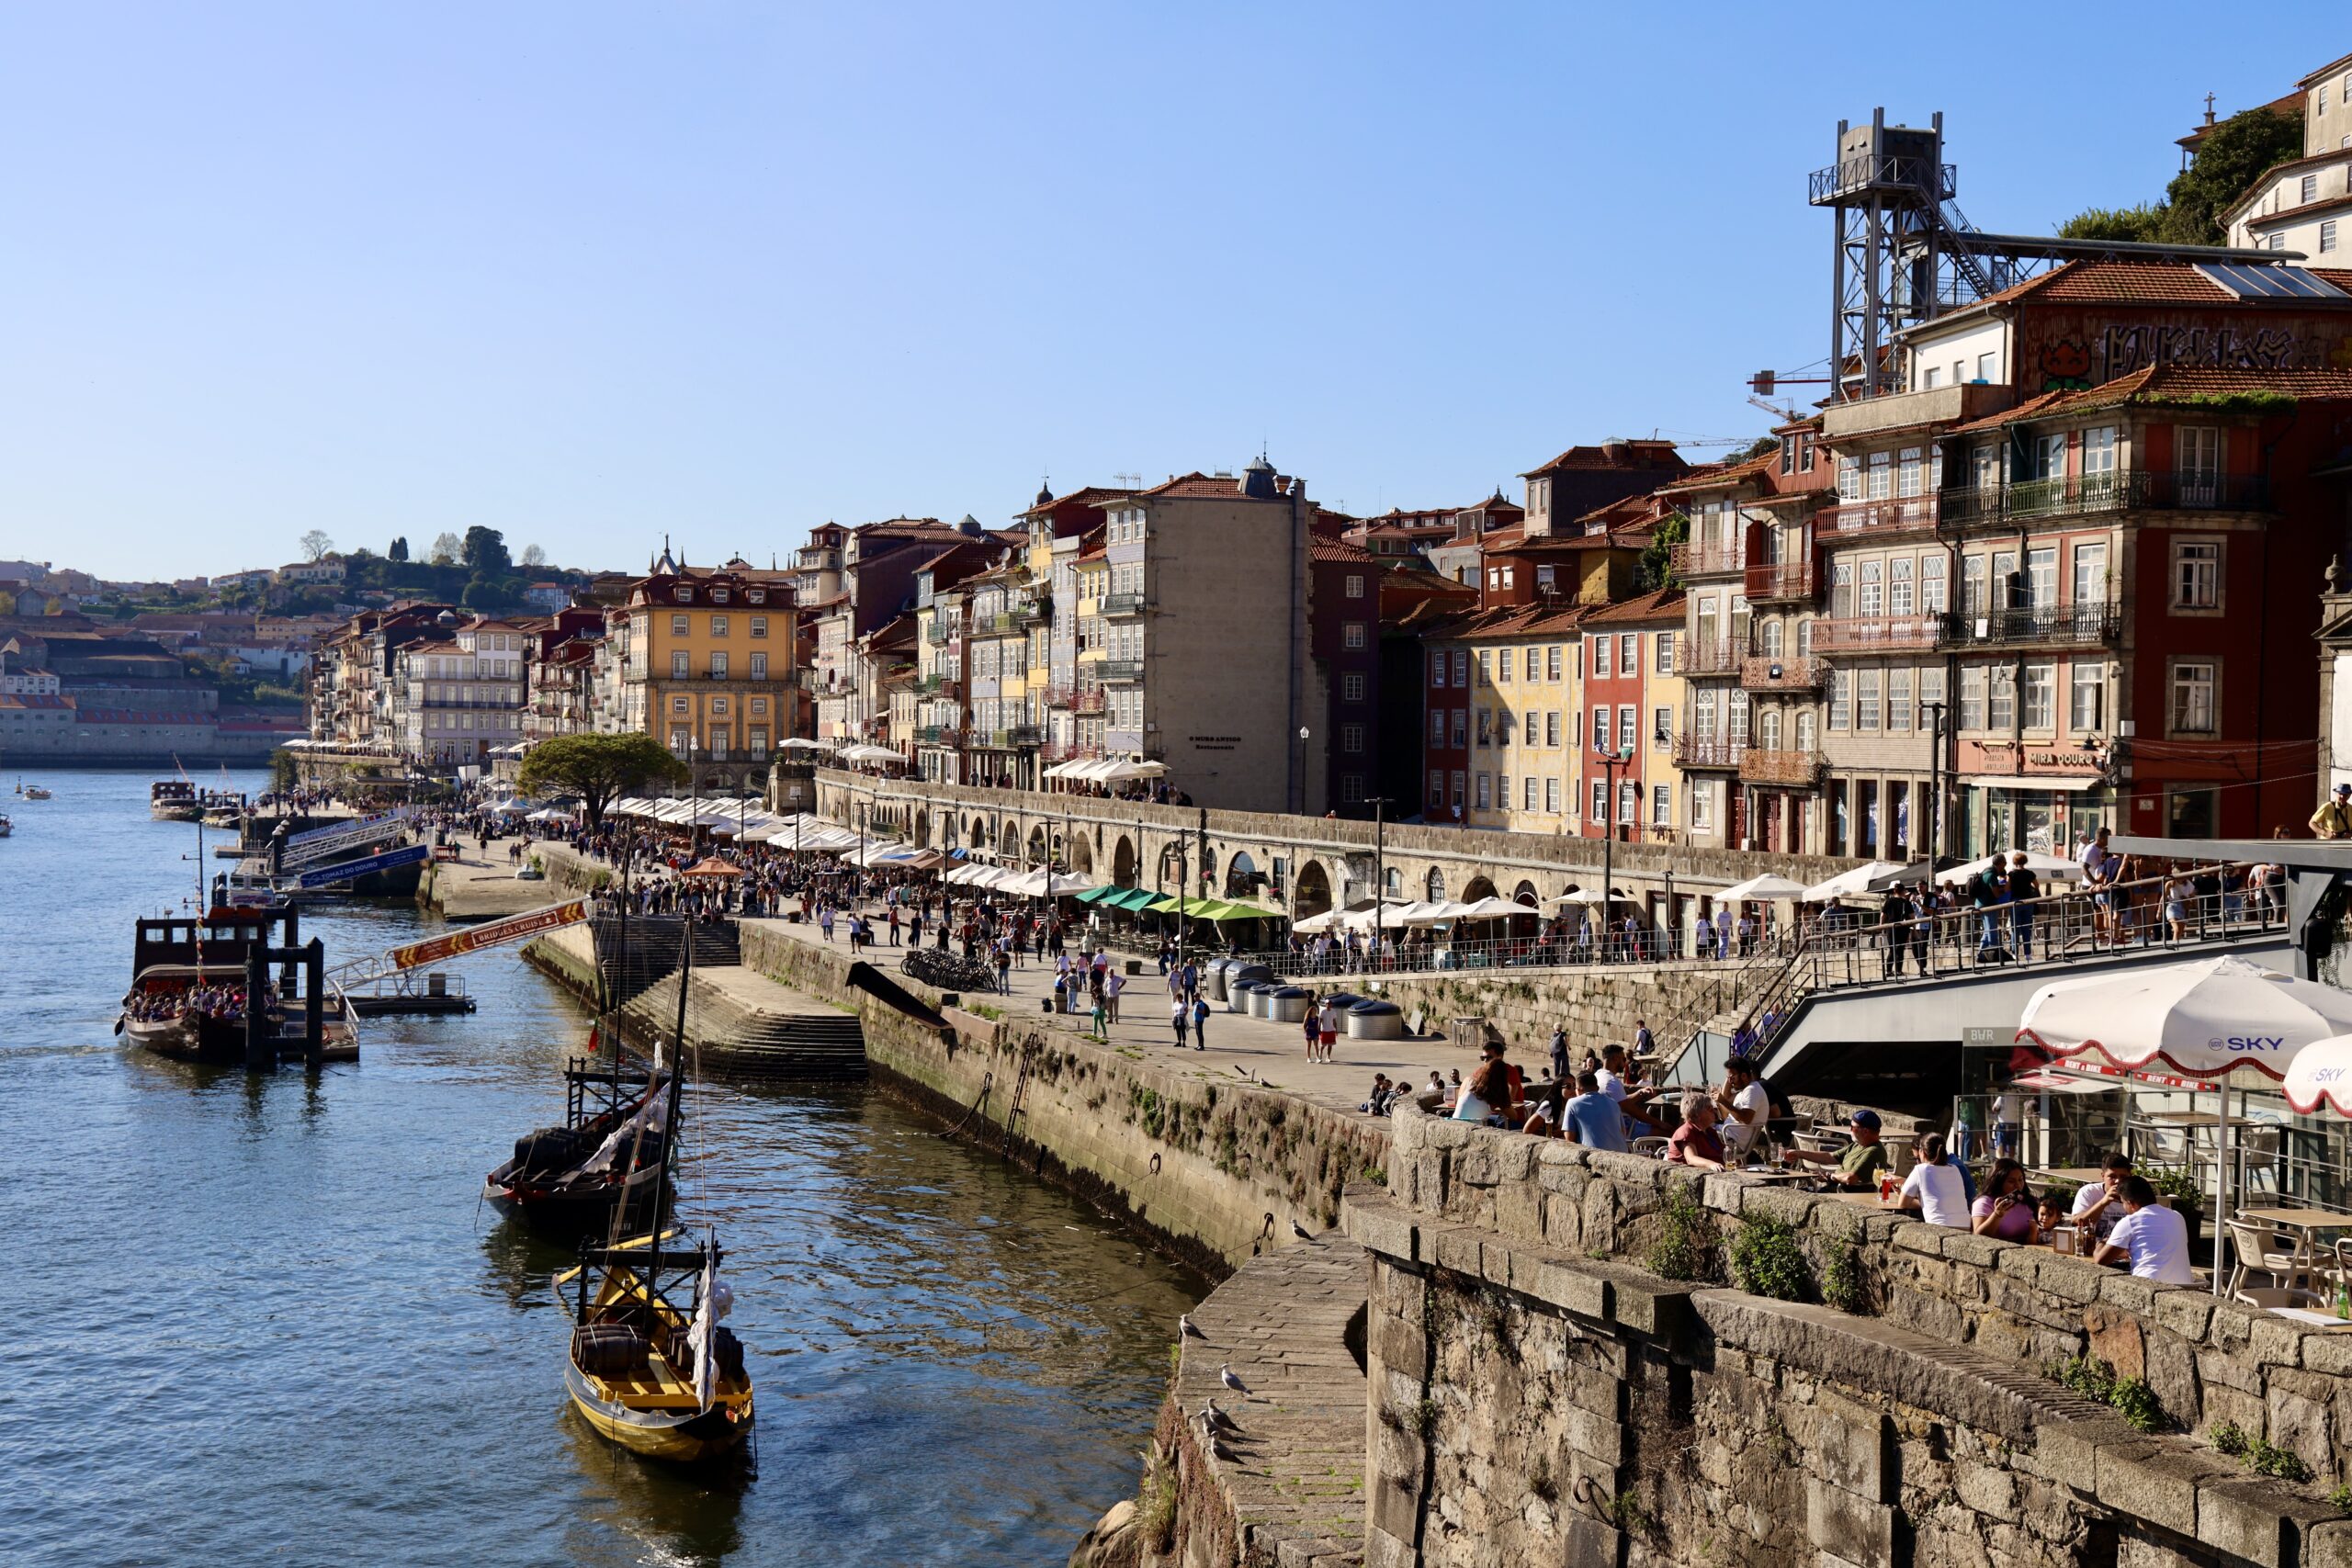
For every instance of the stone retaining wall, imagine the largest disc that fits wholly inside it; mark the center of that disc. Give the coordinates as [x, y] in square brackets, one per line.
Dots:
[1596, 1004]
[1539, 1395]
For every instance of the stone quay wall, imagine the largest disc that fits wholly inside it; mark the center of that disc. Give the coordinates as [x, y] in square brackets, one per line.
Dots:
[1537, 1393]
[1595, 1003]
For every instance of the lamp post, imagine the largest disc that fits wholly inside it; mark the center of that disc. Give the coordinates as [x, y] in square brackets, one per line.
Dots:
[1303, 809]
[1183, 874]
[1935, 712]
[1609, 763]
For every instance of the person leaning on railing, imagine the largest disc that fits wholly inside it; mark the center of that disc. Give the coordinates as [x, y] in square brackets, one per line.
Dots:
[2333, 819]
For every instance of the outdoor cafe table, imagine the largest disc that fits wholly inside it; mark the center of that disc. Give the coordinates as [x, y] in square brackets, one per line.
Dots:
[2304, 1226]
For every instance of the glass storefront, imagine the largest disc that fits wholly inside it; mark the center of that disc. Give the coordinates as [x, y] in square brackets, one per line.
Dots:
[2046, 821]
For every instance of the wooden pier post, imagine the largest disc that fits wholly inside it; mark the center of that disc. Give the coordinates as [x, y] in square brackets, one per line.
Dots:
[261, 1051]
[314, 977]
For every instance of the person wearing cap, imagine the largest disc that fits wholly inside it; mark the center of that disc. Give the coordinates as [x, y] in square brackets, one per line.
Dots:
[1860, 1162]
[2333, 820]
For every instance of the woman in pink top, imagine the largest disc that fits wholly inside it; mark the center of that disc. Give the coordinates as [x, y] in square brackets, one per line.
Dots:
[2006, 1210]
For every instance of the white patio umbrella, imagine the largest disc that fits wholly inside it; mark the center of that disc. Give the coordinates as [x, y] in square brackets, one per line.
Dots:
[1494, 908]
[2321, 1074]
[1589, 896]
[2207, 1018]
[2036, 861]
[1757, 888]
[1846, 883]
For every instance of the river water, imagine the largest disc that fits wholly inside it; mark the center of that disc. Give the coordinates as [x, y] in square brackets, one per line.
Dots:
[265, 1321]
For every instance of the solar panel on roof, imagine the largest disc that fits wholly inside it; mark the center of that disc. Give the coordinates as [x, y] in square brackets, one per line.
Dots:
[2247, 280]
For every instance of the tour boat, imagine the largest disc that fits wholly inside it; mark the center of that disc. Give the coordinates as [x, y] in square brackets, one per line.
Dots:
[35, 792]
[6, 826]
[174, 800]
[605, 1160]
[186, 999]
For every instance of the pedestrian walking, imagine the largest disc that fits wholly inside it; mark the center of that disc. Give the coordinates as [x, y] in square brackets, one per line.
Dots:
[1113, 984]
[1178, 1014]
[1200, 1024]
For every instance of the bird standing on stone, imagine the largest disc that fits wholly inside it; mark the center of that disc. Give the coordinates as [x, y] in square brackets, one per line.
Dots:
[1301, 1232]
[1217, 1418]
[1221, 1451]
[1184, 1327]
[1224, 1375]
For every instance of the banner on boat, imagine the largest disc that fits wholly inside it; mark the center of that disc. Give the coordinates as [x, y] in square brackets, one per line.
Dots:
[492, 934]
[352, 870]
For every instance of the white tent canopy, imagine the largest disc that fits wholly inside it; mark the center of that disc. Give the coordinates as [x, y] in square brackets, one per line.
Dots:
[1846, 884]
[1592, 895]
[2036, 861]
[1493, 907]
[1757, 888]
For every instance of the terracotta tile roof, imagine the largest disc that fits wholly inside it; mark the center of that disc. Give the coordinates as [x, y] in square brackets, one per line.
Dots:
[1725, 473]
[2131, 283]
[1664, 604]
[1223, 486]
[1615, 455]
[1338, 552]
[2159, 385]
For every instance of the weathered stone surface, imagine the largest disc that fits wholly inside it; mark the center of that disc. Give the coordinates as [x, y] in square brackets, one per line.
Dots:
[2153, 1482]
[1853, 1447]
[2115, 1338]
[1592, 1544]
[2258, 1520]
[1860, 1531]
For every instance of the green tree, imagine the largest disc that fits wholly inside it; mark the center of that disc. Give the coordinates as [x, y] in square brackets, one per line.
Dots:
[485, 552]
[396, 549]
[599, 769]
[1656, 569]
[2143, 222]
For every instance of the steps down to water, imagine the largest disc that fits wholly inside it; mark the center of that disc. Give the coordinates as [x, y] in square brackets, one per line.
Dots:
[653, 949]
[748, 1028]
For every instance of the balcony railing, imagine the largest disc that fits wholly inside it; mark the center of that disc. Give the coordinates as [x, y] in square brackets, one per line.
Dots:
[1897, 514]
[1090, 700]
[1123, 669]
[940, 631]
[1782, 579]
[1057, 696]
[1122, 605]
[1064, 751]
[1692, 751]
[1021, 737]
[1693, 657]
[1695, 560]
[1875, 634]
[938, 735]
[2077, 625]
[940, 686]
[1774, 672]
[1760, 766]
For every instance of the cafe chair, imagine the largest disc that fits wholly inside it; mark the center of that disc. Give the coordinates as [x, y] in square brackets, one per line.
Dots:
[1655, 1147]
[2254, 1250]
[2267, 1297]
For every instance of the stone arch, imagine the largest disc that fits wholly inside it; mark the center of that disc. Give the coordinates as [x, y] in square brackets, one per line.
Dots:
[1433, 885]
[1082, 856]
[1396, 888]
[1123, 862]
[1313, 895]
[1037, 852]
[1208, 867]
[922, 826]
[948, 828]
[978, 834]
[1478, 887]
[1240, 875]
[1525, 894]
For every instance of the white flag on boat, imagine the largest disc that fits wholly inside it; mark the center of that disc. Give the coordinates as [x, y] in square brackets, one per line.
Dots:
[715, 1299]
[653, 1115]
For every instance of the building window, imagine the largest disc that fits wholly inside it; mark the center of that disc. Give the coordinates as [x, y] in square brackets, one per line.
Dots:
[679, 666]
[1461, 728]
[1601, 730]
[686, 593]
[1485, 791]
[1437, 670]
[1351, 687]
[1625, 738]
[678, 626]
[2086, 699]
[1865, 708]
[1505, 659]
[1551, 797]
[2041, 696]
[1355, 585]
[1351, 737]
[1437, 727]
[1352, 788]
[1841, 699]
[719, 707]
[759, 625]
[1599, 802]
[759, 667]
[1601, 645]
[719, 667]
[677, 705]
[2196, 574]
[1898, 702]
[1629, 801]
[1486, 727]
[2001, 701]
[1552, 662]
[1352, 637]
[2308, 187]
[1437, 786]
[1662, 652]
[1662, 805]
[2193, 682]
[2326, 235]
[1629, 652]
[1662, 729]
[1972, 699]
[2278, 241]
[1486, 667]
[718, 625]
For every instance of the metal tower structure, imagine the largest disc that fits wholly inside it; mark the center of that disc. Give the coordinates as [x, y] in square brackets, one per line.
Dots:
[1904, 253]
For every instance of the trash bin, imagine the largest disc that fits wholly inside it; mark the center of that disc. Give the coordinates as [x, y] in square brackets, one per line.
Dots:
[1343, 1000]
[1212, 979]
[1376, 1021]
[1242, 996]
[1238, 974]
[1287, 1004]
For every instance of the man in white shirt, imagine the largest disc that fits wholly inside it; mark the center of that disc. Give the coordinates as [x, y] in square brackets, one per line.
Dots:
[2097, 1208]
[2152, 1236]
[1746, 1108]
[1633, 1102]
[1934, 1188]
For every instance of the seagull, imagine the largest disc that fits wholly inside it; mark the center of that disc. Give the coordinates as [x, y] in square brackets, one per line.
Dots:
[1217, 1418]
[1225, 1374]
[1222, 1452]
[1301, 1232]
[1184, 1326]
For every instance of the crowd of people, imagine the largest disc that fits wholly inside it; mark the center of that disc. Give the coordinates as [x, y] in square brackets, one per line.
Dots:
[217, 1003]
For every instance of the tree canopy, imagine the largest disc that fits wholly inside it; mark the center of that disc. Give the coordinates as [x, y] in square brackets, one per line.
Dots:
[396, 549]
[599, 769]
[2234, 154]
[445, 546]
[534, 556]
[485, 552]
[1656, 569]
[315, 545]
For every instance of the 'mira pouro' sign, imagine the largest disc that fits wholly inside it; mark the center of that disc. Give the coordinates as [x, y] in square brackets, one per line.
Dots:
[491, 934]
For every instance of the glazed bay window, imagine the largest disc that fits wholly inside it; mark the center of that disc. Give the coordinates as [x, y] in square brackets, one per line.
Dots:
[1898, 702]
[1972, 698]
[1898, 588]
[1873, 600]
[1932, 597]
[2041, 696]
[2197, 574]
[1975, 599]
[2086, 697]
[2001, 701]
[2193, 684]
[1865, 708]
[1841, 699]
[1909, 473]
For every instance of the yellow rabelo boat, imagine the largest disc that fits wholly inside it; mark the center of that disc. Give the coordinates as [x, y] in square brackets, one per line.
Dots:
[651, 1366]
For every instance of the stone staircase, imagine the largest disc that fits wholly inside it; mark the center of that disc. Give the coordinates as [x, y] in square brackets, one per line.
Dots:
[654, 945]
[749, 1029]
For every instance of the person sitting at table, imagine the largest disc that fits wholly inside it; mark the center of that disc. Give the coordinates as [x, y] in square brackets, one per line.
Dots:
[1696, 1143]
[1860, 1162]
[1934, 1188]
[2153, 1238]
[1632, 1101]
[2049, 1216]
[2005, 1209]
[1593, 1118]
[1543, 1118]
[2097, 1207]
[1746, 1109]
[1488, 1091]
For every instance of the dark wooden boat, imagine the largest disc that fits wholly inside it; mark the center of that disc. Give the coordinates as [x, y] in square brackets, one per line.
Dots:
[601, 1168]
[186, 999]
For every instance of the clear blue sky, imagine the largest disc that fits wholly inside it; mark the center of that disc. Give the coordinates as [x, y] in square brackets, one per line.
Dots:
[588, 273]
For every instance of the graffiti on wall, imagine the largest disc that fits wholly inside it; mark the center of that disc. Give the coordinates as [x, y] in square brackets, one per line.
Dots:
[2128, 348]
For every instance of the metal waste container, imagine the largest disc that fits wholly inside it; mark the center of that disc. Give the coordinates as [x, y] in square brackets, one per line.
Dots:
[1238, 974]
[1212, 979]
[1287, 1004]
[1376, 1021]
[1242, 997]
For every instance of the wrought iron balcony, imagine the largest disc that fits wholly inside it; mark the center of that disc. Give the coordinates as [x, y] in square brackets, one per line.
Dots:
[1089, 700]
[1775, 673]
[1878, 634]
[1122, 605]
[2072, 625]
[1693, 657]
[1693, 560]
[1021, 737]
[2077, 495]
[940, 630]
[938, 735]
[941, 686]
[1760, 766]
[1878, 519]
[1692, 751]
[1123, 669]
[1769, 581]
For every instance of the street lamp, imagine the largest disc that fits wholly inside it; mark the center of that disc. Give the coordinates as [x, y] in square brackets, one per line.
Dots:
[1935, 712]
[1302, 771]
[1609, 763]
[1183, 874]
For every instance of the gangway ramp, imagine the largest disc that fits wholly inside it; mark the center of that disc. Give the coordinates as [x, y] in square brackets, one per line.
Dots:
[411, 957]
